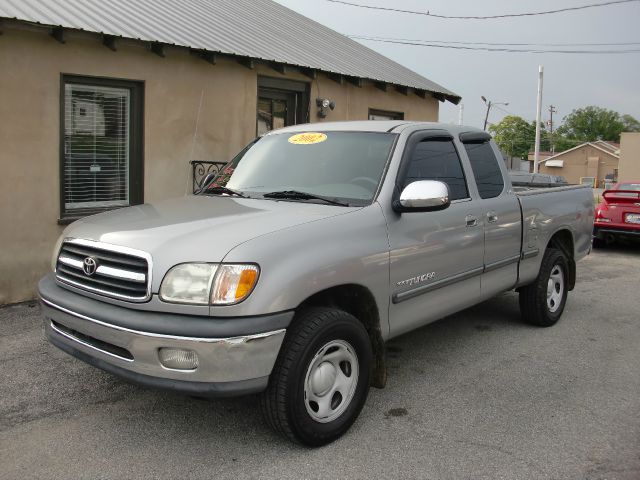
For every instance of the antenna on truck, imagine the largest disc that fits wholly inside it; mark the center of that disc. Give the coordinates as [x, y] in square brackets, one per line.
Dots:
[190, 178]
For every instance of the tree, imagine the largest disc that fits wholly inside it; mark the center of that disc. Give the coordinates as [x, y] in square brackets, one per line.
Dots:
[516, 137]
[591, 123]
[630, 124]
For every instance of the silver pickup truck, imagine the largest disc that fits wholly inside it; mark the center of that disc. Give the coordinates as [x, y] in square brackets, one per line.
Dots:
[287, 273]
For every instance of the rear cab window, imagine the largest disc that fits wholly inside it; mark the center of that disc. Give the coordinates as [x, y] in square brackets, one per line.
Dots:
[486, 168]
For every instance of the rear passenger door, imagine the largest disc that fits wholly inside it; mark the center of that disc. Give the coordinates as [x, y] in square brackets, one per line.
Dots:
[500, 214]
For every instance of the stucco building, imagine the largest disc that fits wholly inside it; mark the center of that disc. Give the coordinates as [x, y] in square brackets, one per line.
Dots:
[629, 169]
[104, 103]
[596, 160]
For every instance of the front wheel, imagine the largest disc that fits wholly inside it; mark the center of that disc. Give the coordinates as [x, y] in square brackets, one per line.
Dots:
[542, 302]
[321, 378]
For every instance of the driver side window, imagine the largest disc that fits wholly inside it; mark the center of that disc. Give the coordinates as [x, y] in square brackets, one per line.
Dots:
[436, 159]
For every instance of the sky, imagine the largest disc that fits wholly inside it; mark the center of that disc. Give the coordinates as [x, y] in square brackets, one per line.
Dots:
[573, 81]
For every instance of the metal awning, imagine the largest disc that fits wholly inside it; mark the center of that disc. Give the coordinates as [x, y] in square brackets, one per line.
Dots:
[253, 29]
[554, 163]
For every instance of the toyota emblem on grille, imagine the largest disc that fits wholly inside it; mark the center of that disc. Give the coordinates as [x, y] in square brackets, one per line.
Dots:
[89, 266]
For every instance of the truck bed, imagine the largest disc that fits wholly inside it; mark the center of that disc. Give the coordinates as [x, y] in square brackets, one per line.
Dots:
[546, 210]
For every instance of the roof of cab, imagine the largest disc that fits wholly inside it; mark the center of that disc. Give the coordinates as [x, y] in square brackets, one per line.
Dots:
[395, 126]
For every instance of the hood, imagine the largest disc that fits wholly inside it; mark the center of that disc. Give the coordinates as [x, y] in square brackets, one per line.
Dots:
[196, 228]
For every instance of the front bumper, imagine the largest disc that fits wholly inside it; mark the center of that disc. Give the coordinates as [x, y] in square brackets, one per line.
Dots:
[126, 342]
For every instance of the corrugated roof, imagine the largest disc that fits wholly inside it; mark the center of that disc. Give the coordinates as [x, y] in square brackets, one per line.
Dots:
[260, 29]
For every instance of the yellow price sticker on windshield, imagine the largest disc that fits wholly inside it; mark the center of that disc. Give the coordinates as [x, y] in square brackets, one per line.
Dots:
[307, 138]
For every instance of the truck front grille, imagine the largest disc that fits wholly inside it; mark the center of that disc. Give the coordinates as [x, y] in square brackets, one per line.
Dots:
[108, 270]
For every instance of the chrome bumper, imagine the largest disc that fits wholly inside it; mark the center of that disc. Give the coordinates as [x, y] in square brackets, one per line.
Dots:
[220, 360]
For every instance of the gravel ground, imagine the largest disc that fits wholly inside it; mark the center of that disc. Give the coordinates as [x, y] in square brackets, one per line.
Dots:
[476, 395]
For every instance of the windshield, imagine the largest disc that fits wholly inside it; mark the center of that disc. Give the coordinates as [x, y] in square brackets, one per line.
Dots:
[345, 166]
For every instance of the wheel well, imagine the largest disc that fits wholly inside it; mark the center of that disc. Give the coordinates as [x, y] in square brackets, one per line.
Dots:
[563, 241]
[359, 302]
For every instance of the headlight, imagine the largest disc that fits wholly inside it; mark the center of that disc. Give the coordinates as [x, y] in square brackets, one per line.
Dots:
[188, 283]
[206, 283]
[233, 283]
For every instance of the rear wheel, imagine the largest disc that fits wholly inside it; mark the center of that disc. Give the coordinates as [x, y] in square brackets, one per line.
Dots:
[542, 302]
[321, 378]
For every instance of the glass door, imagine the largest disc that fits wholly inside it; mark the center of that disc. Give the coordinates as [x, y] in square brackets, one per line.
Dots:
[276, 109]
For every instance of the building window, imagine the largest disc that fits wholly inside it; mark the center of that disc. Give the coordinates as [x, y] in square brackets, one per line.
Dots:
[385, 115]
[281, 103]
[101, 145]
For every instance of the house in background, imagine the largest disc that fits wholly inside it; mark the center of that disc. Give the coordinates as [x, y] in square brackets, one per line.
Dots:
[629, 168]
[104, 103]
[591, 162]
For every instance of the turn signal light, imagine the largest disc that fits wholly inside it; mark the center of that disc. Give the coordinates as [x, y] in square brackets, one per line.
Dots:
[233, 283]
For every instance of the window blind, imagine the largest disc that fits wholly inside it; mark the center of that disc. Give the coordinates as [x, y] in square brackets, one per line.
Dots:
[96, 146]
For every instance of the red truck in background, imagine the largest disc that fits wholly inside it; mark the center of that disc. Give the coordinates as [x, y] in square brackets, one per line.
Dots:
[618, 214]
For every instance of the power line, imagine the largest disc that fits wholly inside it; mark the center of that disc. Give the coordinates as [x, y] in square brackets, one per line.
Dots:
[508, 44]
[484, 17]
[491, 49]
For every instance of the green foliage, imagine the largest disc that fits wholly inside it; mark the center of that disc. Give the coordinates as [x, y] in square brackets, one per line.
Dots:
[516, 137]
[592, 123]
[630, 124]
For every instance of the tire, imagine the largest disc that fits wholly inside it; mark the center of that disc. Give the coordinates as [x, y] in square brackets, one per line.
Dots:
[326, 356]
[597, 242]
[542, 302]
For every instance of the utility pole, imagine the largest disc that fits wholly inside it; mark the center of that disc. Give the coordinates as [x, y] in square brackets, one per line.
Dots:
[486, 117]
[460, 113]
[552, 110]
[536, 154]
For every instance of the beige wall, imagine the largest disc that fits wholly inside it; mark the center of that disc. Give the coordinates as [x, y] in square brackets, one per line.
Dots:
[586, 161]
[629, 169]
[31, 62]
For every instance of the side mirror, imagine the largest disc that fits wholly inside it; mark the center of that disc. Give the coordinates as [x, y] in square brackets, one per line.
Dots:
[423, 196]
[207, 179]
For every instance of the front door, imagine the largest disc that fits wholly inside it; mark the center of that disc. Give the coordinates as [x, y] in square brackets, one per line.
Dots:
[281, 103]
[436, 257]
[275, 110]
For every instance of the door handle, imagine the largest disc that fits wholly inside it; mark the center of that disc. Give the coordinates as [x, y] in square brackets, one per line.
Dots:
[471, 220]
[492, 217]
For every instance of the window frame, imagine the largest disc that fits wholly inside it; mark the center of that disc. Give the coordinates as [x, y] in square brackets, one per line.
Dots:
[414, 139]
[136, 141]
[386, 113]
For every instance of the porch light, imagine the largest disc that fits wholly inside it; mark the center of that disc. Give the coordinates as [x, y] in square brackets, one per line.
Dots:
[323, 104]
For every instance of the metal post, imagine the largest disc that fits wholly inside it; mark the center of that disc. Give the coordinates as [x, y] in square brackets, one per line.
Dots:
[552, 110]
[536, 155]
[486, 117]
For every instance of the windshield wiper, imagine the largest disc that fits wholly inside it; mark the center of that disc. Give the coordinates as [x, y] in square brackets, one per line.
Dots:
[297, 195]
[220, 190]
